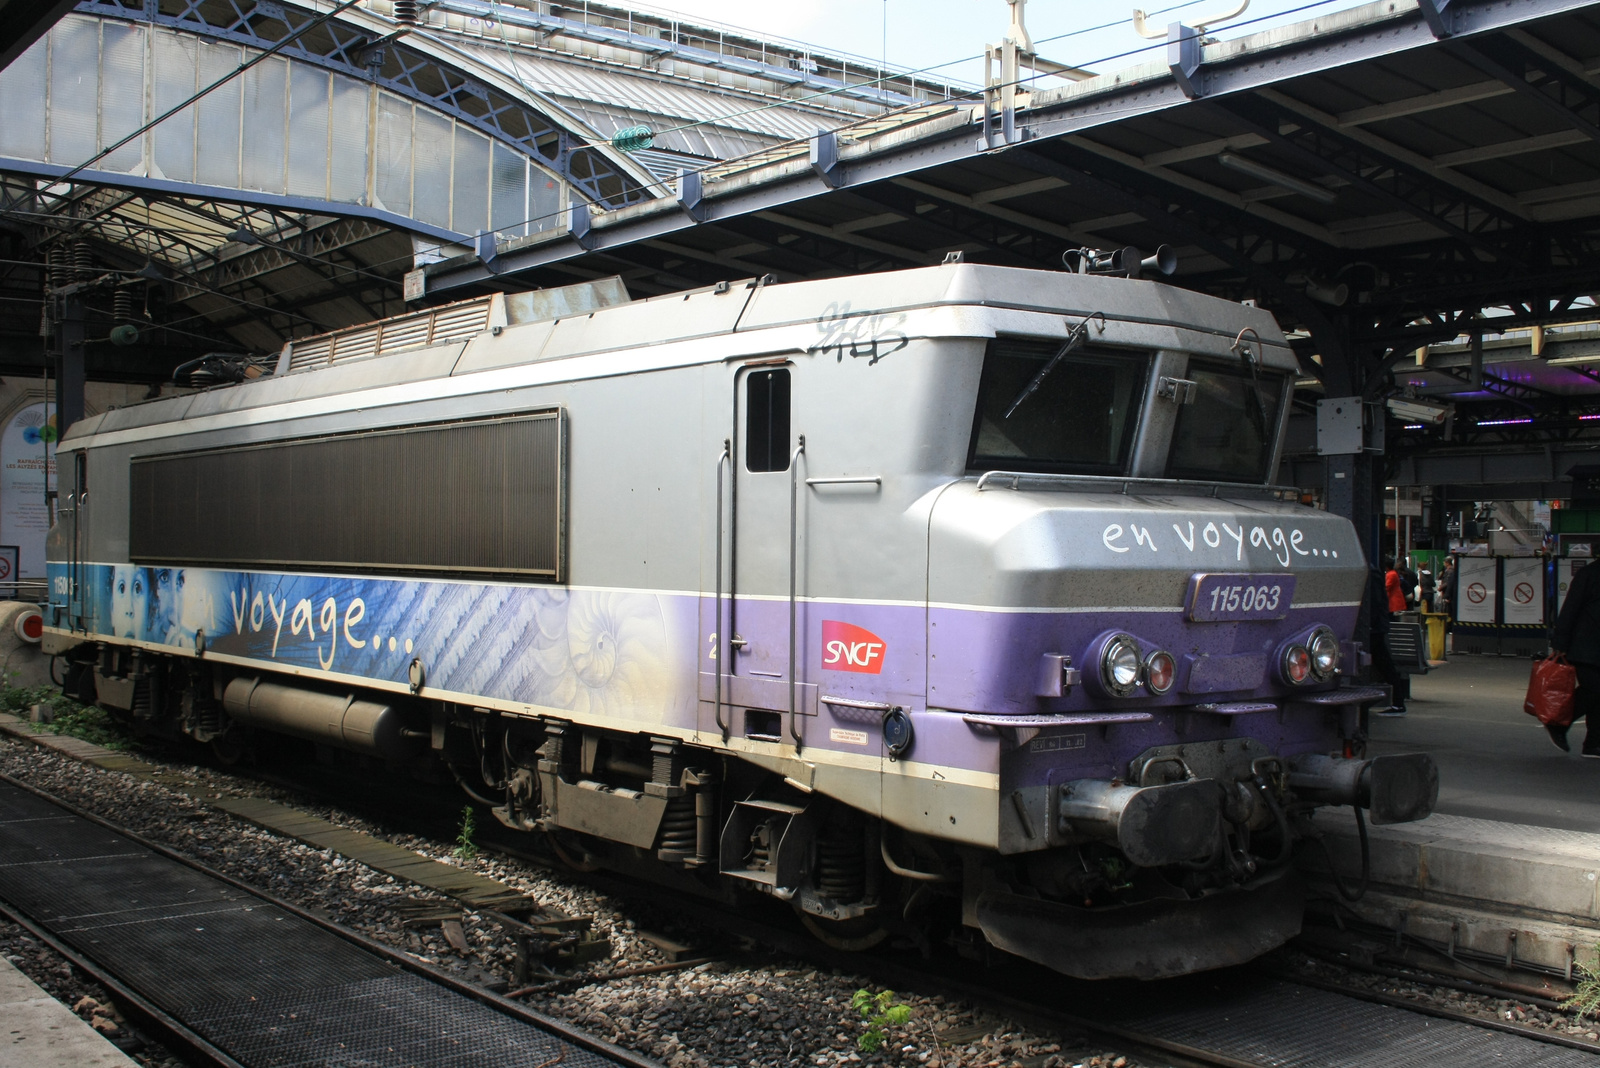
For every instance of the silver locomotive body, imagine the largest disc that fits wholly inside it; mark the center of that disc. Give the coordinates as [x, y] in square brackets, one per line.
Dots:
[961, 585]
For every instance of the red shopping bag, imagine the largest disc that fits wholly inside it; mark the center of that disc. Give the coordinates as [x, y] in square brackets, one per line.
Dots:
[1550, 690]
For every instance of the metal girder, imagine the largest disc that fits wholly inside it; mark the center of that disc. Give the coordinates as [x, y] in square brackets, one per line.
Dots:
[313, 242]
[1436, 168]
[25, 22]
[1572, 99]
[1548, 298]
[1442, 467]
[49, 172]
[1192, 226]
[963, 226]
[413, 72]
[1321, 149]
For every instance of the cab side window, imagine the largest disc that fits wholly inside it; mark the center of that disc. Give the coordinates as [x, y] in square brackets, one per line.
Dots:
[766, 429]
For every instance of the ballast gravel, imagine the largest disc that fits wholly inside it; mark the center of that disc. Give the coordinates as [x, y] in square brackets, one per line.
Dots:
[61, 980]
[747, 1008]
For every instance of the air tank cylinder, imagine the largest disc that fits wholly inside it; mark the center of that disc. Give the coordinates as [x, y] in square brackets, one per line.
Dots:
[339, 720]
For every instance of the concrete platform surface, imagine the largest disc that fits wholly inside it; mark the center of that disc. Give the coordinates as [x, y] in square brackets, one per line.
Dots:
[1509, 864]
[1501, 889]
[1495, 761]
[40, 1032]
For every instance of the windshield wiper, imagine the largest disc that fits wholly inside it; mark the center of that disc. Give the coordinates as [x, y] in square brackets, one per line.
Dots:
[1258, 412]
[1075, 338]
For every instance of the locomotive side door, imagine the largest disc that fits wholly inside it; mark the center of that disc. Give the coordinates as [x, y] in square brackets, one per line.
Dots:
[755, 656]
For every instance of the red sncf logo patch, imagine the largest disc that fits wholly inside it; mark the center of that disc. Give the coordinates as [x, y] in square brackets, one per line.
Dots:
[847, 647]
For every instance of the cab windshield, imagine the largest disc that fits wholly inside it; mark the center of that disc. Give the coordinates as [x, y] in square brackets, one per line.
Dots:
[1079, 419]
[1226, 434]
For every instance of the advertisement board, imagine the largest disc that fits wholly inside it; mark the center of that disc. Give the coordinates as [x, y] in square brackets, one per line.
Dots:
[27, 452]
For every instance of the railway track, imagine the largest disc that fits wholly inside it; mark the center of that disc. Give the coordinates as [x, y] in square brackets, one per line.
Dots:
[1279, 1021]
[1238, 1018]
[233, 976]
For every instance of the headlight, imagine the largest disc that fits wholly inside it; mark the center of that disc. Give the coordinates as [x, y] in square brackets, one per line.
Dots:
[1297, 664]
[1324, 648]
[1160, 670]
[1119, 665]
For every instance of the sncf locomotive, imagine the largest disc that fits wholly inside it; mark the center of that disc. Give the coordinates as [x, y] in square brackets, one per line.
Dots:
[953, 603]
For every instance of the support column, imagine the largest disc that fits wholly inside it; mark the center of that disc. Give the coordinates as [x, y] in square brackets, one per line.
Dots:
[1354, 483]
[69, 362]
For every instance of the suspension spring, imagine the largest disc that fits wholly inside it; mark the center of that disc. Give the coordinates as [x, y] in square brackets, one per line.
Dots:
[841, 865]
[678, 825]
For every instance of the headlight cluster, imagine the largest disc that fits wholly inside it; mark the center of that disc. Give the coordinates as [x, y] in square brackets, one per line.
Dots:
[1124, 667]
[1315, 660]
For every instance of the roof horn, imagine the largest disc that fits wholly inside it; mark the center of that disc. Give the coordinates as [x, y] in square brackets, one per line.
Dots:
[1123, 261]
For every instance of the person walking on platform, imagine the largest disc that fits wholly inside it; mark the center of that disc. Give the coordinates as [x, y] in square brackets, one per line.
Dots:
[1408, 582]
[1393, 585]
[1447, 587]
[1386, 600]
[1578, 636]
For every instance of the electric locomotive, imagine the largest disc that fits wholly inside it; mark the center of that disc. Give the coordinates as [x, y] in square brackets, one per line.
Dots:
[955, 602]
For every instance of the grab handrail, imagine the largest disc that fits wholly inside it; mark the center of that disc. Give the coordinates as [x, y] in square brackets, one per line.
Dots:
[794, 526]
[1130, 482]
[718, 632]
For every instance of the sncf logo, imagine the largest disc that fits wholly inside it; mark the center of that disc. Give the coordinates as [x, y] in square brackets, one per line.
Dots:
[846, 647]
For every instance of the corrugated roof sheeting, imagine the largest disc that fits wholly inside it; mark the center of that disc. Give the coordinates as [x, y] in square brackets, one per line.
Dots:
[667, 103]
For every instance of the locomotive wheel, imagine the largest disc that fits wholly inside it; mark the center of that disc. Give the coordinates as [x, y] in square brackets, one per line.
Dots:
[229, 751]
[850, 936]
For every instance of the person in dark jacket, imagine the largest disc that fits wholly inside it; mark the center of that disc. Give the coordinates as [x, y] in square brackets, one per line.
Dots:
[1408, 581]
[1578, 636]
[1383, 591]
[1447, 587]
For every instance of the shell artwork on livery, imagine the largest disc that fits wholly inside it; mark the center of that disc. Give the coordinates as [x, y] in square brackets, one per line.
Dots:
[594, 652]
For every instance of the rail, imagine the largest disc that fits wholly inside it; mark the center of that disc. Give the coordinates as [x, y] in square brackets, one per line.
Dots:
[147, 862]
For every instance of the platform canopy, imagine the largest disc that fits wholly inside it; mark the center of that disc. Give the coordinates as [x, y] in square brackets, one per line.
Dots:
[1382, 177]
[292, 198]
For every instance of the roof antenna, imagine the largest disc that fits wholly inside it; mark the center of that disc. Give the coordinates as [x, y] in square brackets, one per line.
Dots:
[1144, 29]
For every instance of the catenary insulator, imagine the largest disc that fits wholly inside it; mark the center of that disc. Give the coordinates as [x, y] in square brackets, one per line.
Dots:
[82, 260]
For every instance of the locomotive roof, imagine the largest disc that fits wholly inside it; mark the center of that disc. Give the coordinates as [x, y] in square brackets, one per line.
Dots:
[505, 330]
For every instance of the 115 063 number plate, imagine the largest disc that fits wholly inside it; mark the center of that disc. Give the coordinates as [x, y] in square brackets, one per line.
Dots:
[1229, 598]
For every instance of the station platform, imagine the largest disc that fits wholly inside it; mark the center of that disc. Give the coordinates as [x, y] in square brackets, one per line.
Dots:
[40, 1032]
[1508, 867]
[1495, 761]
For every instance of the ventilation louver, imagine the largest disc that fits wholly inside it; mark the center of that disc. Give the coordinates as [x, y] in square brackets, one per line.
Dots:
[452, 322]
